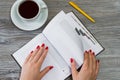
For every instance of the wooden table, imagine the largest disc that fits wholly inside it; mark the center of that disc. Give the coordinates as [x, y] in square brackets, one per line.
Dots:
[106, 30]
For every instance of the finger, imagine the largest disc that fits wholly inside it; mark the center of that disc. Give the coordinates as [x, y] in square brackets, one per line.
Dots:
[45, 71]
[39, 53]
[97, 66]
[94, 62]
[34, 53]
[73, 68]
[86, 59]
[28, 57]
[42, 58]
[91, 60]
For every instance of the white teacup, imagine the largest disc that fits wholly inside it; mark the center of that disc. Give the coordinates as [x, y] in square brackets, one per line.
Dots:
[29, 10]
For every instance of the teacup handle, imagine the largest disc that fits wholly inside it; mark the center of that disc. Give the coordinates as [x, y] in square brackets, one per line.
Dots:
[44, 7]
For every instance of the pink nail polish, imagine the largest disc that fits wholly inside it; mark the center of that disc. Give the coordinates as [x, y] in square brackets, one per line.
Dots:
[71, 60]
[50, 67]
[46, 48]
[38, 47]
[43, 45]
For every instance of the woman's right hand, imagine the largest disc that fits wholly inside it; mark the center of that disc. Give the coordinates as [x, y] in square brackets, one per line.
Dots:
[90, 67]
[32, 65]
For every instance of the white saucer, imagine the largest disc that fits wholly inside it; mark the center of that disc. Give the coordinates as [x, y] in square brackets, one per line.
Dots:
[28, 26]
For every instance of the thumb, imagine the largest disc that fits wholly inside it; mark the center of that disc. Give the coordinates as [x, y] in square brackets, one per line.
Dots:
[45, 71]
[73, 68]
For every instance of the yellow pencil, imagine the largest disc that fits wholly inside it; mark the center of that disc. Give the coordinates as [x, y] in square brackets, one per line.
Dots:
[81, 11]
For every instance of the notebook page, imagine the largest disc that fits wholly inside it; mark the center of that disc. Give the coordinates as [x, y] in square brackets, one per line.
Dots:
[64, 39]
[56, 72]
[88, 43]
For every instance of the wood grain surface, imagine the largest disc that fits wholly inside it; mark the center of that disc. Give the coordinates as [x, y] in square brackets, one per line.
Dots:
[106, 29]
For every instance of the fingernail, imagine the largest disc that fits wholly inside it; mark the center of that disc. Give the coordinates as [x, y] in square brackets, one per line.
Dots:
[85, 51]
[71, 60]
[98, 61]
[90, 50]
[93, 53]
[38, 47]
[43, 45]
[31, 52]
[46, 48]
[50, 67]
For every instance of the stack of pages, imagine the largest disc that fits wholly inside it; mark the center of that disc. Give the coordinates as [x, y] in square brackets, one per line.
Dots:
[66, 38]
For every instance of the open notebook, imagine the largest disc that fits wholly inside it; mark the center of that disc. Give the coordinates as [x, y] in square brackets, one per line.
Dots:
[67, 38]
